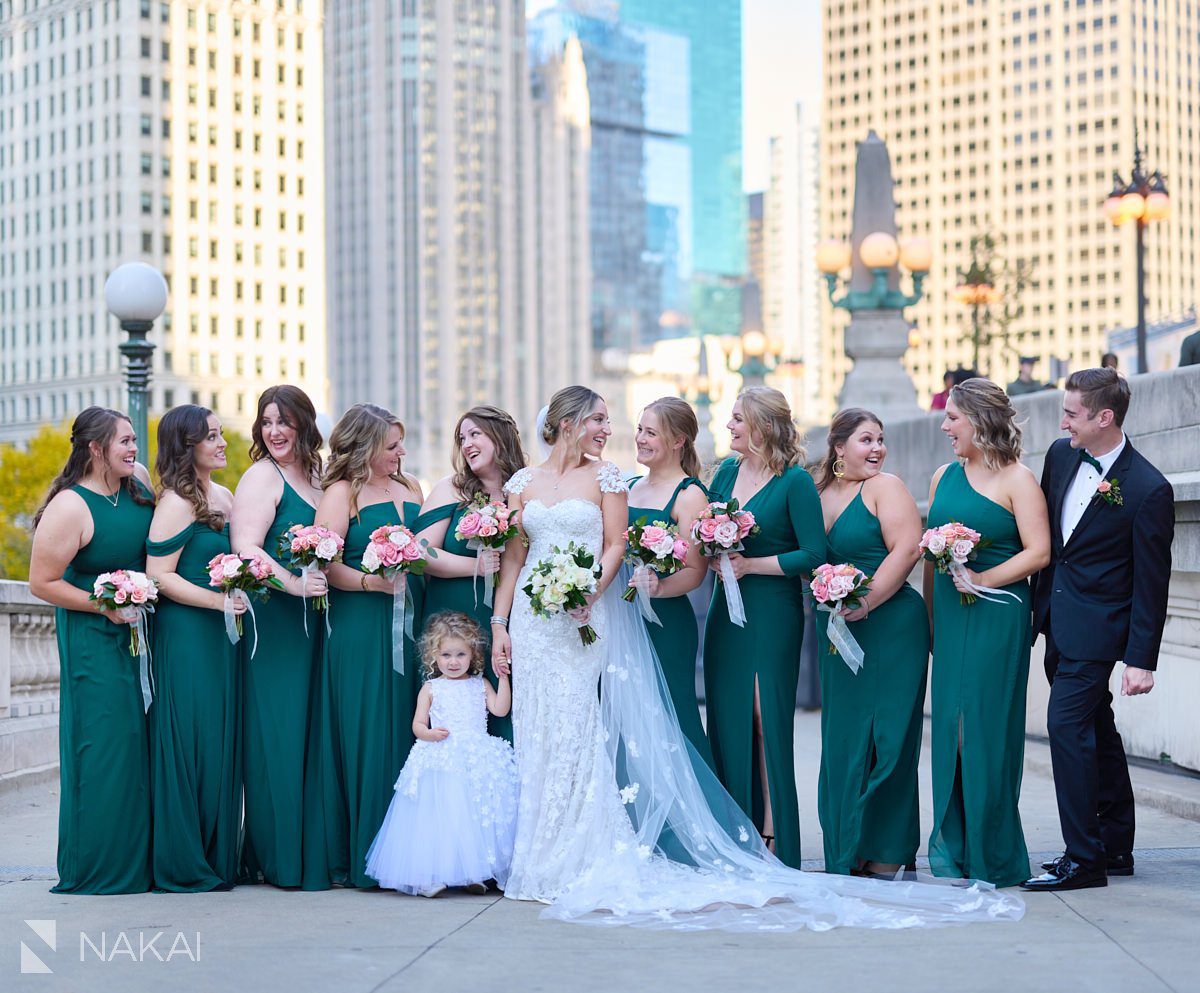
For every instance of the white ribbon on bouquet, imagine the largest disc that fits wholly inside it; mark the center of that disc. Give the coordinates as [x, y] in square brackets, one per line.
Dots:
[488, 581]
[231, 619]
[643, 597]
[959, 571]
[311, 569]
[402, 619]
[139, 645]
[733, 594]
[838, 632]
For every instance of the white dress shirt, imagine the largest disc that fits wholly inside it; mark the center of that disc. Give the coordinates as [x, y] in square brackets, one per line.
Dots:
[1082, 490]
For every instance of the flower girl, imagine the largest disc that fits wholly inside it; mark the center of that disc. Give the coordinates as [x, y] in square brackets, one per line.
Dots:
[453, 816]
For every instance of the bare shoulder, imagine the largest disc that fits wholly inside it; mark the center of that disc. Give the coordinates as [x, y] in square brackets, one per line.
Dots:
[67, 510]
[692, 500]
[414, 485]
[886, 489]
[142, 475]
[260, 477]
[442, 492]
[172, 513]
[1020, 481]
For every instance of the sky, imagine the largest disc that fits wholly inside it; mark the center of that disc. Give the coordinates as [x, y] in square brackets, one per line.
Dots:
[781, 63]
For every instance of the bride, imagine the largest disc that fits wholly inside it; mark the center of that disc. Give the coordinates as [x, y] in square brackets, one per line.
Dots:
[616, 823]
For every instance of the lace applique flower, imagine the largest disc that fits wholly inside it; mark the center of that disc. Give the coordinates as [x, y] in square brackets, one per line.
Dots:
[630, 793]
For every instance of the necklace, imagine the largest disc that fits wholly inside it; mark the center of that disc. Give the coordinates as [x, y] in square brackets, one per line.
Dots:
[114, 499]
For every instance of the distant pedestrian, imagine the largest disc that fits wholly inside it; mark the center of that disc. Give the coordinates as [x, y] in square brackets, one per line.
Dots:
[1025, 383]
[939, 399]
[1189, 352]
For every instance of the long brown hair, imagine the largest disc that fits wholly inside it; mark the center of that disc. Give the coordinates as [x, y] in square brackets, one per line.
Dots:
[844, 424]
[500, 427]
[990, 413]
[94, 424]
[179, 432]
[357, 439]
[767, 413]
[296, 410]
[678, 421]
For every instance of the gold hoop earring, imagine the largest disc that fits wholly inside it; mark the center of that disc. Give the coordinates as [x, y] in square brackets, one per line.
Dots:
[839, 467]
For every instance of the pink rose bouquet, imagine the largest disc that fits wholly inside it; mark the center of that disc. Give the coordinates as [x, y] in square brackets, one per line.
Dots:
[656, 546]
[950, 547]
[132, 596]
[835, 587]
[395, 553]
[242, 576]
[487, 524]
[309, 548]
[721, 529]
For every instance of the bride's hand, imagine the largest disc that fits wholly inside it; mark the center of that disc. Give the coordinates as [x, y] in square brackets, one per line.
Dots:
[501, 651]
[581, 615]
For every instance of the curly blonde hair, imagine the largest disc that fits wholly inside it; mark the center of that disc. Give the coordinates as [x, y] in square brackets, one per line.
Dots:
[450, 624]
[990, 413]
[767, 413]
[357, 439]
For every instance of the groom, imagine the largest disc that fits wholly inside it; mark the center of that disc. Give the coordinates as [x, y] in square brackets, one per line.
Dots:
[1102, 599]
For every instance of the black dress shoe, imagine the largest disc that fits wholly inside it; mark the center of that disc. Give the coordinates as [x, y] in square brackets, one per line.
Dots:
[1067, 875]
[1117, 865]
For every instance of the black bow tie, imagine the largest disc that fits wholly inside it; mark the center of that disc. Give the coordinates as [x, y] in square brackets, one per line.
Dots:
[1090, 460]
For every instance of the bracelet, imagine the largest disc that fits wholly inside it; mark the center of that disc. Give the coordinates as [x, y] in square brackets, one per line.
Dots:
[868, 607]
[498, 619]
[363, 582]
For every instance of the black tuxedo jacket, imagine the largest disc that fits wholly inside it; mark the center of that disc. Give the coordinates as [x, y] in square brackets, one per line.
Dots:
[1103, 597]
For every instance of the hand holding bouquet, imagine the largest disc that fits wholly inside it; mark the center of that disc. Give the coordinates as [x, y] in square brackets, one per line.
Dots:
[562, 583]
[311, 548]
[394, 552]
[950, 547]
[131, 596]
[838, 587]
[656, 546]
[487, 524]
[241, 577]
[721, 529]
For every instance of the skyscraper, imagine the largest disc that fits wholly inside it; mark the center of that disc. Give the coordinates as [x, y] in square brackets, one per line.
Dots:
[1009, 118]
[187, 137]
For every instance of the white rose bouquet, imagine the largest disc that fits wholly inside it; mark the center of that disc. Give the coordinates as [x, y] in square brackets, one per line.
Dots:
[562, 583]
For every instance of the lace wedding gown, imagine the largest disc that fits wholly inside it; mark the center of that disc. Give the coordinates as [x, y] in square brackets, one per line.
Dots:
[607, 786]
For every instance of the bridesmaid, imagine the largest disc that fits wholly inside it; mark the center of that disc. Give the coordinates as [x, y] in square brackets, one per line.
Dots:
[671, 491]
[281, 488]
[981, 650]
[362, 708]
[871, 723]
[195, 740]
[487, 451]
[751, 672]
[95, 519]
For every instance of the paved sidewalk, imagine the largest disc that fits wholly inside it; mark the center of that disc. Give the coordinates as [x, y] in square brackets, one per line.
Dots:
[1136, 936]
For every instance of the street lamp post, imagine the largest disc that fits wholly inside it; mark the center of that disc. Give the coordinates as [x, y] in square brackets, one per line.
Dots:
[1143, 200]
[136, 294]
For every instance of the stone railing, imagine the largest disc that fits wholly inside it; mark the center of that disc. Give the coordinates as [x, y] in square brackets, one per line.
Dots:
[1164, 425]
[28, 685]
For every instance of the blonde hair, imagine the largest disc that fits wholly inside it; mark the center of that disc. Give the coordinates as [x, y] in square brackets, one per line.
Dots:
[357, 440]
[571, 403]
[767, 412]
[450, 624]
[678, 420]
[990, 413]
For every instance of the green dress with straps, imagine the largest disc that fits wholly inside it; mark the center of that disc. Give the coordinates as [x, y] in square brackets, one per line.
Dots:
[980, 671]
[362, 711]
[463, 594]
[104, 810]
[677, 640]
[766, 650]
[195, 727]
[276, 685]
[871, 723]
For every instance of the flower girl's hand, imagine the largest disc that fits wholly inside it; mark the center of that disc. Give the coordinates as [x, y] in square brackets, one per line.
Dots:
[645, 578]
[501, 651]
[439, 734]
[489, 561]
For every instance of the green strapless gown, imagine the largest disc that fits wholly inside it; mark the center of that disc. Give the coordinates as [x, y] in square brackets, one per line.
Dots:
[871, 723]
[276, 685]
[980, 670]
[104, 810]
[788, 510]
[676, 641]
[463, 594]
[362, 719]
[195, 724]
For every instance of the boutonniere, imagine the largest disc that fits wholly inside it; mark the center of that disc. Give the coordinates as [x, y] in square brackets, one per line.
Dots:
[1109, 490]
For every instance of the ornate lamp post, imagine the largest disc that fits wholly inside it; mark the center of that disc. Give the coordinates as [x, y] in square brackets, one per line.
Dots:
[702, 393]
[879, 252]
[1143, 200]
[761, 356]
[977, 292]
[136, 294]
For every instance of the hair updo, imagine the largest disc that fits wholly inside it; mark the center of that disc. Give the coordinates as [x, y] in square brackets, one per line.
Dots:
[572, 404]
[989, 411]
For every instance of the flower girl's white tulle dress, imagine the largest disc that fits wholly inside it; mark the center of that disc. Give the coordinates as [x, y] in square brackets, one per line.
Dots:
[452, 818]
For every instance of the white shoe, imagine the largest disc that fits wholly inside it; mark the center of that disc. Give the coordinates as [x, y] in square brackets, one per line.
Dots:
[432, 892]
[479, 889]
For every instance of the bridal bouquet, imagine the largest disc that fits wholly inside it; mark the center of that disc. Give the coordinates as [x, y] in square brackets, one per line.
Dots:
[562, 583]
[835, 587]
[487, 524]
[394, 552]
[131, 595]
[723, 528]
[246, 577]
[950, 547]
[309, 548]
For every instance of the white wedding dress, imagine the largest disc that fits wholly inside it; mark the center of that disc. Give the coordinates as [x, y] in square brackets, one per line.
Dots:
[608, 784]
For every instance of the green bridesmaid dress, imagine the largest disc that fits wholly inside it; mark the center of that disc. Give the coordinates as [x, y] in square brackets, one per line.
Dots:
[195, 724]
[677, 640]
[362, 710]
[463, 594]
[276, 685]
[871, 723]
[788, 510]
[104, 810]
[980, 669]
